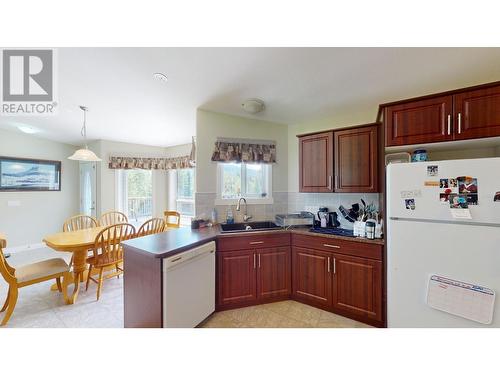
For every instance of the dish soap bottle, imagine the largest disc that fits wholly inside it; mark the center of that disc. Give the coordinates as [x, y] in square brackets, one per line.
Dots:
[229, 216]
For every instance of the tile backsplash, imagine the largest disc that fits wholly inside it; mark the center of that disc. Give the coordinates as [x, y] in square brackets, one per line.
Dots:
[312, 201]
[204, 203]
[284, 203]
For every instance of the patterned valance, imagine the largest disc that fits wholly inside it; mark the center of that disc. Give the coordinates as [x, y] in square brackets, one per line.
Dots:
[244, 151]
[121, 162]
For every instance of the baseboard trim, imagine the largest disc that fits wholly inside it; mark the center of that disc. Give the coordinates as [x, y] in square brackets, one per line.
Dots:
[19, 249]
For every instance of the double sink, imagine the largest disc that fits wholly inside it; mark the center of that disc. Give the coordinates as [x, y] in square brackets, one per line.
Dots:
[249, 227]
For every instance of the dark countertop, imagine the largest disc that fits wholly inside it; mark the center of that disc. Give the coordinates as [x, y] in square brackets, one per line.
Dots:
[302, 230]
[175, 241]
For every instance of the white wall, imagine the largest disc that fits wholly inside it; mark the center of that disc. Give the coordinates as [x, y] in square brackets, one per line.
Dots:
[39, 213]
[106, 178]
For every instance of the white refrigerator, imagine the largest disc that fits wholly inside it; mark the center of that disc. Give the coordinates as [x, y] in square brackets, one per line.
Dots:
[426, 237]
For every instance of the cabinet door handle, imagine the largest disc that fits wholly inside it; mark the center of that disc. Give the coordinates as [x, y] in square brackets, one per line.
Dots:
[334, 266]
[256, 242]
[449, 124]
[459, 123]
[259, 260]
[334, 246]
[330, 178]
[254, 263]
[328, 265]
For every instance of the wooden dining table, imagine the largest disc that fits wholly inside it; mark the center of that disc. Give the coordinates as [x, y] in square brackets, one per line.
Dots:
[78, 243]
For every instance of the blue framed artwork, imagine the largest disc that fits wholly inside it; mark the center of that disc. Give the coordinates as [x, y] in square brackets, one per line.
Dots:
[18, 174]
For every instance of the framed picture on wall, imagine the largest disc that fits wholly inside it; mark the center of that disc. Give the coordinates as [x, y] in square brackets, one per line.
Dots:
[18, 174]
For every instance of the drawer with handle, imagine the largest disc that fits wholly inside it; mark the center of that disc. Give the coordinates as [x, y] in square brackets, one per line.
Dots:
[361, 249]
[252, 241]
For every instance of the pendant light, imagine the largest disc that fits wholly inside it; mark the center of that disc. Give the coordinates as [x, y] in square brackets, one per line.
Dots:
[84, 154]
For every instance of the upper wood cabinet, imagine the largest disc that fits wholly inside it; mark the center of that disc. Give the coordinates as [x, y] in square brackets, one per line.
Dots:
[356, 160]
[423, 121]
[316, 163]
[469, 113]
[477, 113]
[343, 161]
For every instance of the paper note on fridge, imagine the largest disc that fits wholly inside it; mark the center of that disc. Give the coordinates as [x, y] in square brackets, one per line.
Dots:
[460, 213]
[411, 193]
[455, 297]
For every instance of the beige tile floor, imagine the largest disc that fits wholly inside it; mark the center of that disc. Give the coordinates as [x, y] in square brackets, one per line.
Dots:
[285, 314]
[39, 307]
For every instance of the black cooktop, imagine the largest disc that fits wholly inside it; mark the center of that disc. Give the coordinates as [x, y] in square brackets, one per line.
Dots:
[335, 231]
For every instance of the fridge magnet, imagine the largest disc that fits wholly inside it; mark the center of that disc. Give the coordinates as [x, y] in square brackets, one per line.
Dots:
[496, 198]
[445, 197]
[467, 185]
[471, 199]
[431, 183]
[443, 183]
[452, 182]
[410, 204]
[458, 201]
[432, 170]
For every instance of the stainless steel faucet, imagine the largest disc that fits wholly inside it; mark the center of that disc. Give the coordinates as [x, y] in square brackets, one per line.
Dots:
[238, 207]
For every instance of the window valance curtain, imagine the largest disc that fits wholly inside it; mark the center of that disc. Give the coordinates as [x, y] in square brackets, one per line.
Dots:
[181, 162]
[244, 151]
[121, 162]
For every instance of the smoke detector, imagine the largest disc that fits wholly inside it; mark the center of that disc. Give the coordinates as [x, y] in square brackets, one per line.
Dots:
[253, 106]
[160, 77]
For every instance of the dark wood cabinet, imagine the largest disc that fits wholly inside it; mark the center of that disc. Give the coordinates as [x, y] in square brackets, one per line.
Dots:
[316, 163]
[467, 113]
[273, 272]
[344, 161]
[312, 276]
[356, 160]
[237, 282]
[253, 269]
[337, 275]
[422, 121]
[477, 113]
[357, 286]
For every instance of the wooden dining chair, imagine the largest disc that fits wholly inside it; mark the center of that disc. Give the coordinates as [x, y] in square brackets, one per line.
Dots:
[108, 252]
[112, 218]
[79, 222]
[172, 216]
[151, 226]
[31, 274]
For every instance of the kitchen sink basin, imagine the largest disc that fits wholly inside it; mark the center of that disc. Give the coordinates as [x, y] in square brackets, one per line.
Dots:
[249, 227]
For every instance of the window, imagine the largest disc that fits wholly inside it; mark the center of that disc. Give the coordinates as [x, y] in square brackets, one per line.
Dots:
[135, 194]
[185, 192]
[251, 181]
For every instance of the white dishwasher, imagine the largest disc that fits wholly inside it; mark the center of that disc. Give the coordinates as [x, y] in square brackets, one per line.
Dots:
[189, 287]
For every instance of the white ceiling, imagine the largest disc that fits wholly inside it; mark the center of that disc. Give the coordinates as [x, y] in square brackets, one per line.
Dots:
[298, 84]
